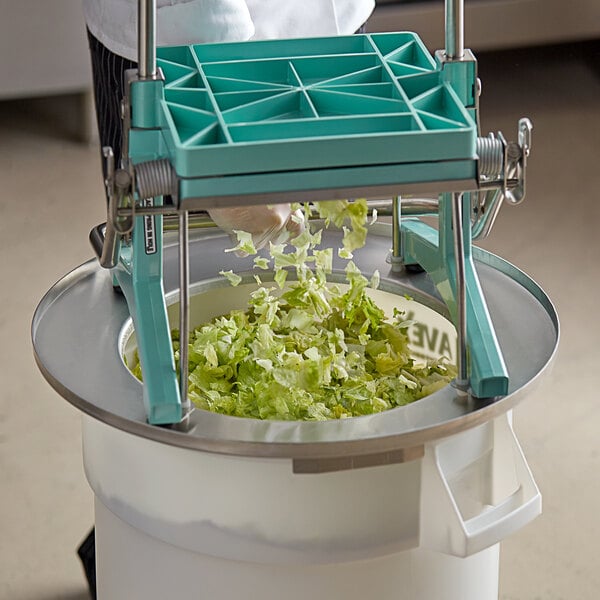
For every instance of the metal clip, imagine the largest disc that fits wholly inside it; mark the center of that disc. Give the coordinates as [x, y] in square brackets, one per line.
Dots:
[516, 163]
[118, 189]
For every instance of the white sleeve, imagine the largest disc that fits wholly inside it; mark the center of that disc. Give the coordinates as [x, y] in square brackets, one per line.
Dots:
[201, 21]
[308, 18]
[353, 14]
[114, 22]
[293, 18]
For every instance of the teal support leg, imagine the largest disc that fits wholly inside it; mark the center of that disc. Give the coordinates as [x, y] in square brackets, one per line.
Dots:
[421, 244]
[143, 289]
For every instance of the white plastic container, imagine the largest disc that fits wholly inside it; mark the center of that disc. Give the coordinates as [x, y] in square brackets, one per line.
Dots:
[229, 509]
[178, 523]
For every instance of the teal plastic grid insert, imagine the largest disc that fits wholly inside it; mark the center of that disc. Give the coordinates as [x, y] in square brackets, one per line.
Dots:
[301, 104]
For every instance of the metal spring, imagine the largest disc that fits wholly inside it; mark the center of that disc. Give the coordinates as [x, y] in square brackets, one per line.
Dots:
[155, 178]
[491, 157]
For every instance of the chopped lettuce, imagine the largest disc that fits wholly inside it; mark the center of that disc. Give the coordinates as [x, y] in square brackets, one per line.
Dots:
[245, 245]
[234, 278]
[308, 349]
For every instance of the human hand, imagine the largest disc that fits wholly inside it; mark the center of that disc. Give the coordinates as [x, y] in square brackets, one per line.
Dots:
[266, 223]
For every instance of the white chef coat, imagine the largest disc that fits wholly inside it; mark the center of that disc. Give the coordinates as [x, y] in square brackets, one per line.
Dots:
[114, 22]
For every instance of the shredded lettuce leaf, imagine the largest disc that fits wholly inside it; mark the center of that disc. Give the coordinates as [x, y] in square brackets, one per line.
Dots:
[308, 349]
[234, 278]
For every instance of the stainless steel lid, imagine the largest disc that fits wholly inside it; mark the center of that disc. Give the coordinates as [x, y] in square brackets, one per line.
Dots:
[79, 325]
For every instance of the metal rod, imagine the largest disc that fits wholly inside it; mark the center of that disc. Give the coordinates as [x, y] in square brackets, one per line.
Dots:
[455, 29]
[396, 224]
[411, 207]
[184, 310]
[462, 379]
[397, 233]
[488, 210]
[147, 39]
[110, 247]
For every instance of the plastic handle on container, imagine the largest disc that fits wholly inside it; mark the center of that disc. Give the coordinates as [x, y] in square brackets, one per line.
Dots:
[503, 489]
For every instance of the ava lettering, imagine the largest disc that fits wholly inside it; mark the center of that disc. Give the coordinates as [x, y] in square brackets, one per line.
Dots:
[429, 339]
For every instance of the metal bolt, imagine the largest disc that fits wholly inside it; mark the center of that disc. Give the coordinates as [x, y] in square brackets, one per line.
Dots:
[514, 152]
[122, 179]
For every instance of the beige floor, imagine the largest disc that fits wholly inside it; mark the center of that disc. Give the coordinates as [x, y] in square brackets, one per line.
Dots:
[51, 196]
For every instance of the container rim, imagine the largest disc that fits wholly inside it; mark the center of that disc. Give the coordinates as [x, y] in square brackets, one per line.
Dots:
[76, 333]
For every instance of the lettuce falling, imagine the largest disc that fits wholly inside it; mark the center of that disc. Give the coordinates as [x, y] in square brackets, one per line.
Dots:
[308, 349]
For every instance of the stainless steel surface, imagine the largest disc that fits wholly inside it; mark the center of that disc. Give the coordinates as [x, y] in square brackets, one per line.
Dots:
[396, 256]
[516, 160]
[120, 210]
[462, 379]
[486, 207]
[147, 39]
[455, 29]
[80, 325]
[131, 75]
[110, 247]
[119, 220]
[411, 207]
[184, 310]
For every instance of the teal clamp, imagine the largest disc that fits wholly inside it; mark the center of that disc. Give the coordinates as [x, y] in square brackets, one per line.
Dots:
[423, 245]
[139, 274]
